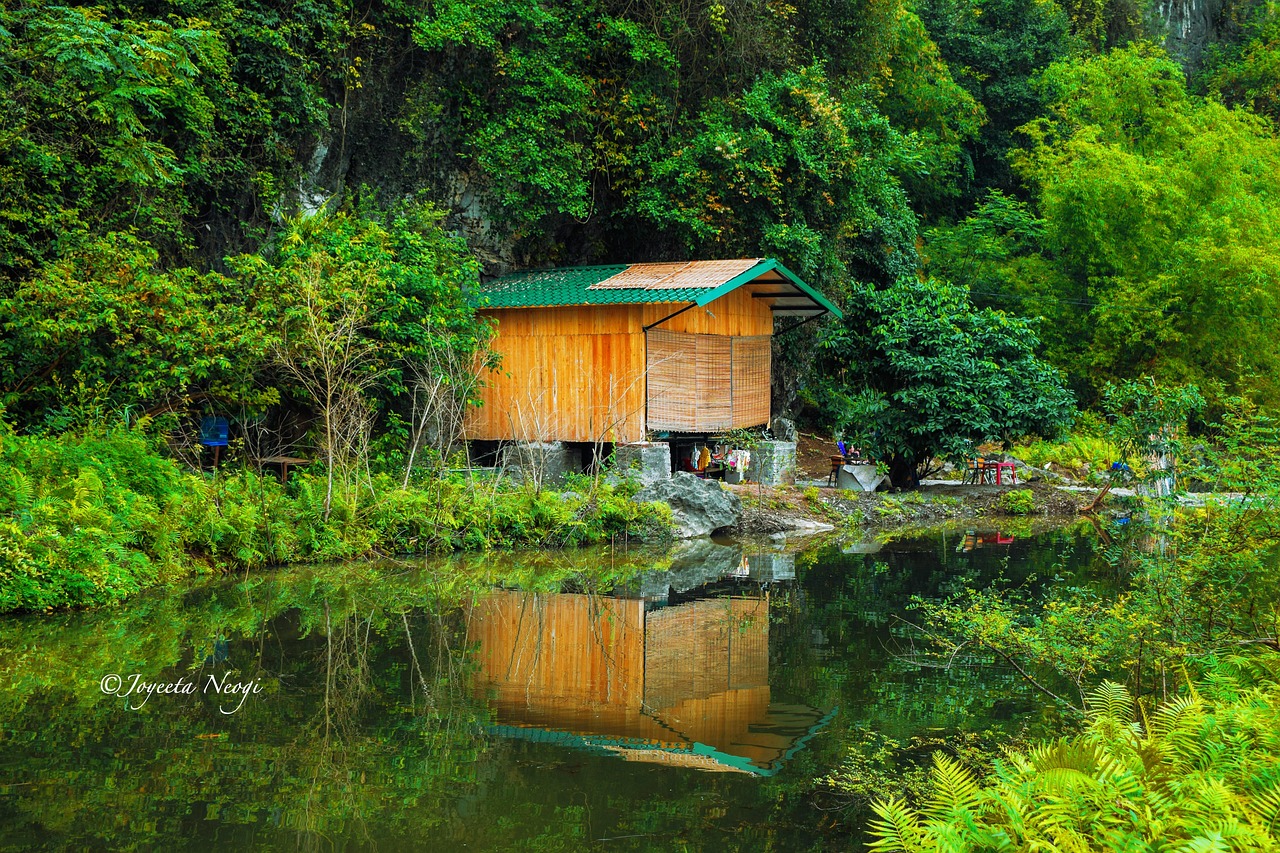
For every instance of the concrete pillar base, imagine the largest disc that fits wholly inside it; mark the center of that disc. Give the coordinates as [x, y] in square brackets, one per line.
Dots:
[543, 462]
[773, 463]
[646, 461]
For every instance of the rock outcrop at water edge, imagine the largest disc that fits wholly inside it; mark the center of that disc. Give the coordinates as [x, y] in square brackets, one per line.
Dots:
[698, 507]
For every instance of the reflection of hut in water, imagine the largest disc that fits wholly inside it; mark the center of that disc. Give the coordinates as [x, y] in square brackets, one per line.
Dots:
[684, 685]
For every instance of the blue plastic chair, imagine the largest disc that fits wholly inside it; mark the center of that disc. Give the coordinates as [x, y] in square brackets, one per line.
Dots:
[214, 432]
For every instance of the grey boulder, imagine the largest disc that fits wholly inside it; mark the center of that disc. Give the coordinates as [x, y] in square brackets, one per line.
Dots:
[698, 507]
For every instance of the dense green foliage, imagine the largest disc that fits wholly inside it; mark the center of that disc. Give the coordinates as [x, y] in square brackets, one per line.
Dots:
[107, 330]
[1188, 585]
[1245, 70]
[1149, 241]
[1200, 773]
[93, 519]
[1062, 172]
[937, 378]
[279, 213]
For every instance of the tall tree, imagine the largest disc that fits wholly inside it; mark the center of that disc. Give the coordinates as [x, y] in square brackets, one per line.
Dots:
[1151, 243]
[916, 372]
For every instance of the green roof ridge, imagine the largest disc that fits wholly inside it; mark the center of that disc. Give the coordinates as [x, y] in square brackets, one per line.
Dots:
[549, 287]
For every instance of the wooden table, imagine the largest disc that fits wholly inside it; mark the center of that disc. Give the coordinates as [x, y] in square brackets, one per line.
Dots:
[284, 462]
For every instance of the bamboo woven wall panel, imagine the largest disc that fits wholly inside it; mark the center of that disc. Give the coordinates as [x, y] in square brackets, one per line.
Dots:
[713, 372]
[695, 383]
[752, 366]
[672, 391]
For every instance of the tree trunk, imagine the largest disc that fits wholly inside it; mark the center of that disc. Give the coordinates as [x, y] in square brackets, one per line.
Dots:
[902, 472]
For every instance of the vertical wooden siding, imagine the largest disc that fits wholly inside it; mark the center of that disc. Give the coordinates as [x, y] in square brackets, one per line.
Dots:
[694, 673]
[735, 313]
[567, 374]
[562, 653]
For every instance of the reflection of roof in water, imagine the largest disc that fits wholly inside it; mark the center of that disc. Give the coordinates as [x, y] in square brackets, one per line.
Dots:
[698, 756]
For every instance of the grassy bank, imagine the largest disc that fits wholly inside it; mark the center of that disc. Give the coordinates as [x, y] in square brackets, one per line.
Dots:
[91, 519]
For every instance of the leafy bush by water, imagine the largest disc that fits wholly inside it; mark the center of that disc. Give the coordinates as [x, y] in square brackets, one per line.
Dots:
[1017, 502]
[1201, 773]
[90, 519]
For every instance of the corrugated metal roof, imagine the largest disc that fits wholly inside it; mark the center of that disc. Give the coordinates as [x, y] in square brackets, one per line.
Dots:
[677, 276]
[616, 284]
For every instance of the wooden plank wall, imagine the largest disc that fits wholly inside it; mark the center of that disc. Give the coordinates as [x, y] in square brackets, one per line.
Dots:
[560, 653]
[735, 313]
[696, 672]
[567, 374]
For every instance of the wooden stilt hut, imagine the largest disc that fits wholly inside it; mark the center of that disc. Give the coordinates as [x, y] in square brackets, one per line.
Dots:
[613, 353]
[687, 684]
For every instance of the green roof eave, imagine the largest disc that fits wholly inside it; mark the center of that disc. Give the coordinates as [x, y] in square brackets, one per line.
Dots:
[760, 269]
[572, 287]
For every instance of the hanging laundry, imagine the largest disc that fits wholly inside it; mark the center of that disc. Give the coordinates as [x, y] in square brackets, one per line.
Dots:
[704, 458]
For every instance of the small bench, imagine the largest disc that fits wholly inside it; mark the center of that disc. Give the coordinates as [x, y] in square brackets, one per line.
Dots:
[284, 462]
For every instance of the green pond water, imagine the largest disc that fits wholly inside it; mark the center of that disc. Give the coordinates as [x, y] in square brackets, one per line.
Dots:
[596, 700]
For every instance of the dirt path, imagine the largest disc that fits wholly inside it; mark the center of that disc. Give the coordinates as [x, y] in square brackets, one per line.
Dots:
[783, 508]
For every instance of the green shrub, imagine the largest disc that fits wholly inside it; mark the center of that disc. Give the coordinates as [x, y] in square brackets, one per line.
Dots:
[1073, 453]
[85, 519]
[1202, 772]
[1017, 502]
[91, 519]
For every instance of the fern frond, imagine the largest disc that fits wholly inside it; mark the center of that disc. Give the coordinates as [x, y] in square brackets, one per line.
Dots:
[20, 491]
[1266, 804]
[1111, 700]
[955, 791]
[897, 829]
[1177, 713]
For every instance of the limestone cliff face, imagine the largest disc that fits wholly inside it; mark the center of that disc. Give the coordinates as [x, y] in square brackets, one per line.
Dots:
[381, 139]
[373, 146]
[1189, 26]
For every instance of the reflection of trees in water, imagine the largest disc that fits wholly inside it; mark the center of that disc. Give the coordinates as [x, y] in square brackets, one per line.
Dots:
[369, 730]
[364, 724]
[427, 686]
[329, 750]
